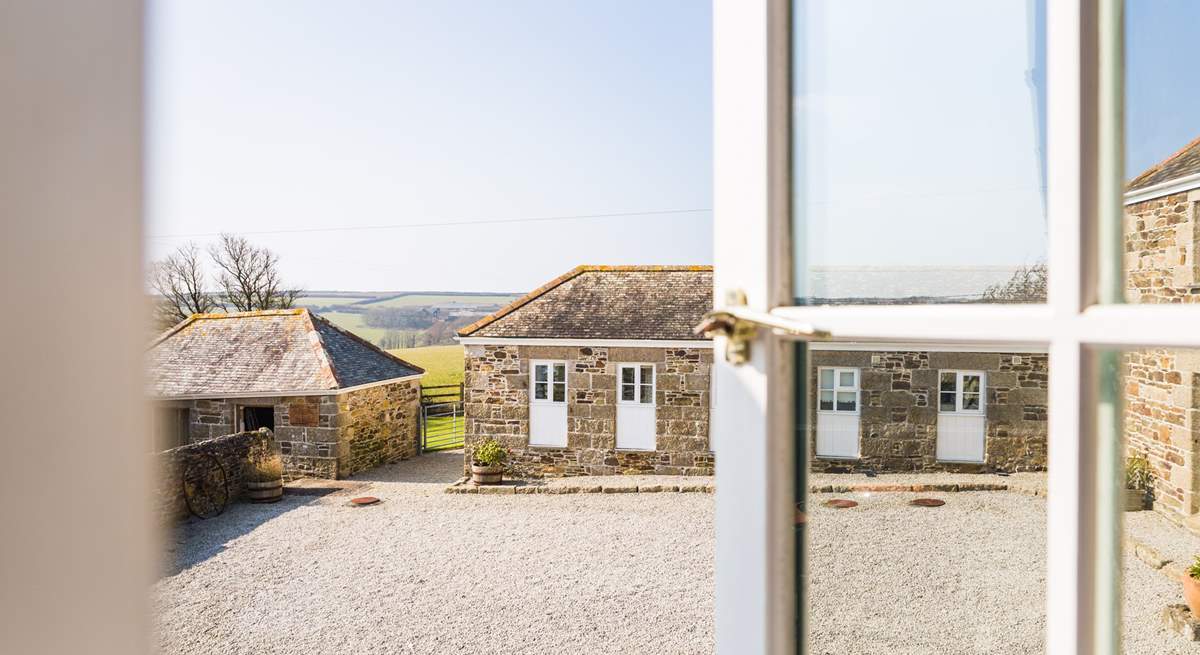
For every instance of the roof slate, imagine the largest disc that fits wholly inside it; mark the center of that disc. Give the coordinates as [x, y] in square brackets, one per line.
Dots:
[608, 302]
[267, 352]
[1181, 164]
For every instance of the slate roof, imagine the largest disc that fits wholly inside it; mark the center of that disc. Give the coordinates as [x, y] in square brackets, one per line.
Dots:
[1181, 164]
[607, 302]
[266, 352]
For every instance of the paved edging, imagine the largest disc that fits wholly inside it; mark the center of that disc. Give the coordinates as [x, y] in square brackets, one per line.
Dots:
[464, 486]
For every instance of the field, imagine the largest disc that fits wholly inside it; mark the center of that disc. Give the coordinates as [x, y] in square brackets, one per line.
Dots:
[430, 300]
[326, 301]
[354, 323]
[443, 364]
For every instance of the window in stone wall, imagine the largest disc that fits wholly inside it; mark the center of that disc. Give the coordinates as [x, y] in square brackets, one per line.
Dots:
[637, 383]
[960, 392]
[838, 389]
[254, 418]
[550, 381]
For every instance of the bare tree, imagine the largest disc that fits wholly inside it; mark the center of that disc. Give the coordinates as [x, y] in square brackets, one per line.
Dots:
[181, 283]
[249, 276]
[1027, 285]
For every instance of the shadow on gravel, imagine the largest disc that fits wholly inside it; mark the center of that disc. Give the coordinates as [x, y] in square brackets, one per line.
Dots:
[192, 540]
[443, 467]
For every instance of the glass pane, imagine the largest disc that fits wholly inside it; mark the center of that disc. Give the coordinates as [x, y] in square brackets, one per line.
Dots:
[628, 375]
[628, 391]
[846, 401]
[919, 151]
[947, 403]
[560, 372]
[647, 394]
[971, 401]
[846, 379]
[827, 378]
[560, 392]
[949, 381]
[647, 374]
[827, 400]
[1155, 258]
[970, 384]
[539, 391]
[540, 371]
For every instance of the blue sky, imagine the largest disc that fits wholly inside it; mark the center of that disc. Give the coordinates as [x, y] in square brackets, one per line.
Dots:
[272, 117]
[290, 114]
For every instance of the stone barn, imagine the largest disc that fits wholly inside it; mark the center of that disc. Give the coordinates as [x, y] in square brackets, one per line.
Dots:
[597, 372]
[336, 403]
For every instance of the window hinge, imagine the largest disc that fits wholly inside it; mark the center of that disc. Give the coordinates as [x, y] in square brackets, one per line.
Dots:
[739, 325]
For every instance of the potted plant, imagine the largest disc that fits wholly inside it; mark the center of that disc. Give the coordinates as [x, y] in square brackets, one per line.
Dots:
[487, 462]
[1138, 479]
[264, 471]
[1191, 588]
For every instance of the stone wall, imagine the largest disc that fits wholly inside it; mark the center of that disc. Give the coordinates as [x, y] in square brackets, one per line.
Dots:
[1161, 235]
[497, 405]
[329, 436]
[230, 450]
[899, 415]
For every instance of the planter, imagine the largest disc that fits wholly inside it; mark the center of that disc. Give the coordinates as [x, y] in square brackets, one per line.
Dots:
[1134, 500]
[493, 474]
[1191, 594]
[264, 492]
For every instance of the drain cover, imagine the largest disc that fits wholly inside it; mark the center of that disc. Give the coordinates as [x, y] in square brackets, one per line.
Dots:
[927, 502]
[364, 500]
[840, 503]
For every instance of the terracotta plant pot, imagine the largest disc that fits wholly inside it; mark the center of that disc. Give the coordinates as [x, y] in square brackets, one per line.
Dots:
[493, 474]
[1191, 594]
[1134, 500]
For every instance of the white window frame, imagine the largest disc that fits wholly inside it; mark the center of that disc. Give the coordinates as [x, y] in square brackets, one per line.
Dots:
[755, 551]
[637, 384]
[549, 364]
[958, 392]
[838, 388]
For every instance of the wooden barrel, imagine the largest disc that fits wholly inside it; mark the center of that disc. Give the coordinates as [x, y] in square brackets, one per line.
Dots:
[487, 474]
[264, 492]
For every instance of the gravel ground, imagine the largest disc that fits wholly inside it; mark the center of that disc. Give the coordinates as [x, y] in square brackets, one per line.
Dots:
[429, 572]
[1172, 542]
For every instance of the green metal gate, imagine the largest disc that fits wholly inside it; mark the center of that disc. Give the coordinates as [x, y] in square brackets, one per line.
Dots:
[442, 422]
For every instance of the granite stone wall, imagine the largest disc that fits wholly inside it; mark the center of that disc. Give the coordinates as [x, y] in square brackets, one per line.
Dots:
[899, 414]
[232, 451]
[1161, 235]
[497, 405]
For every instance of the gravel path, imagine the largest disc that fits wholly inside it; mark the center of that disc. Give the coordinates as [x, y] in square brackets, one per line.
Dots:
[429, 572]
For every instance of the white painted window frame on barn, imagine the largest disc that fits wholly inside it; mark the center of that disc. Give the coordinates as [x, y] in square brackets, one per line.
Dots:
[756, 553]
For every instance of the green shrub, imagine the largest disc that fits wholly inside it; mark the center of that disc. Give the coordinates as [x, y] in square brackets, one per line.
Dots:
[1137, 472]
[490, 453]
[1194, 570]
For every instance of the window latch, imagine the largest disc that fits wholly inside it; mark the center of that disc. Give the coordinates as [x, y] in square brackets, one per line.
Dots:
[739, 325]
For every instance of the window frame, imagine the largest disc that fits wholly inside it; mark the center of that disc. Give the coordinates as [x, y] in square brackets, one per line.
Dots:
[959, 392]
[638, 384]
[550, 382]
[838, 388]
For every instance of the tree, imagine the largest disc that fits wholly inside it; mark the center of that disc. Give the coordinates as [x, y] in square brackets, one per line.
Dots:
[1027, 285]
[249, 276]
[181, 283]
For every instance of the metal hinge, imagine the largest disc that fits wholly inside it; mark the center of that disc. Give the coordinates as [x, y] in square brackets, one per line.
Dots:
[739, 325]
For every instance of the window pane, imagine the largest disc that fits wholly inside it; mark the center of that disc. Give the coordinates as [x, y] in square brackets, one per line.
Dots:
[827, 378]
[628, 375]
[846, 379]
[647, 393]
[949, 381]
[539, 391]
[947, 403]
[971, 384]
[540, 372]
[628, 391]
[846, 401]
[970, 401]
[647, 374]
[560, 392]
[827, 400]
[919, 151]
[560, 372]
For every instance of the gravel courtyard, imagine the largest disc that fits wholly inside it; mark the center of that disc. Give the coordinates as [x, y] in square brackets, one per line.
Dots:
[429, 572]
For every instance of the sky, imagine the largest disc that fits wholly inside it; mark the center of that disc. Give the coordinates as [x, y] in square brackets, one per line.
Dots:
[303, 123]
[273, 115]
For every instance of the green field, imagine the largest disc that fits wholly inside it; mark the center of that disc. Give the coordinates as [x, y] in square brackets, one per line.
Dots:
[354, 323]
[326, 301]
[442, 364]
[431, 300]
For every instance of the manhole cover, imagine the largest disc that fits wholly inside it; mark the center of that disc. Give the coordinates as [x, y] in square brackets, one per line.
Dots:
[928, 502]
[364, 500]
[840, 503]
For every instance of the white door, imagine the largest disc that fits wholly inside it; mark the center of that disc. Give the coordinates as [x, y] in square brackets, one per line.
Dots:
[548, 404]
[962, 420]
[636, 427]
[837, 413]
